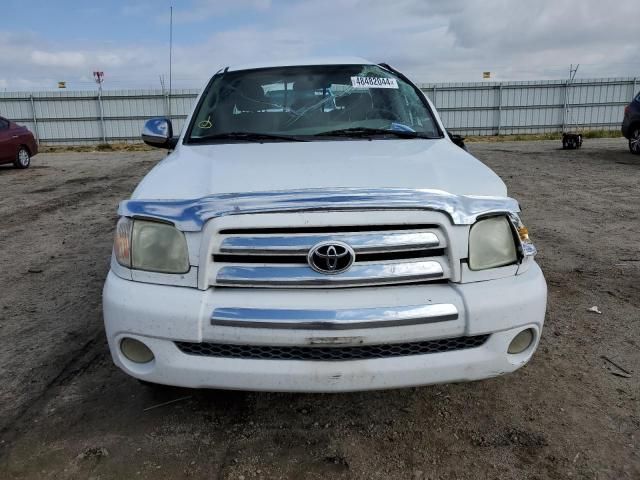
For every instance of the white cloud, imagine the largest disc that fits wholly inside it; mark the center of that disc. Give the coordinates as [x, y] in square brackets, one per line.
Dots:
[430, 40]
[28, 62]
[202, 10]
[58, 59]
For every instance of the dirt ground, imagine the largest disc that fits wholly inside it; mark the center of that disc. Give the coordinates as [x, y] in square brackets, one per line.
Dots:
[67, 412]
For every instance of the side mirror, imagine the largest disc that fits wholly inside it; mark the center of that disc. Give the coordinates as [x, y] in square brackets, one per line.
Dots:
[158, 132]
[457, 139]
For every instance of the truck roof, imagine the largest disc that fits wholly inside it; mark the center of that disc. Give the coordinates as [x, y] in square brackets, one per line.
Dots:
[304, 61]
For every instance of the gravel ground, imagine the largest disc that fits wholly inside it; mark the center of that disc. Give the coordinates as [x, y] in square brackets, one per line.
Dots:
[67, 412]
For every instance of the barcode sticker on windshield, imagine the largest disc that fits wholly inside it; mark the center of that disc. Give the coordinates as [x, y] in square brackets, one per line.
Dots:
[374, 82]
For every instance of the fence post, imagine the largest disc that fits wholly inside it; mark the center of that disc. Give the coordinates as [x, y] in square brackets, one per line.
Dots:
[499, 107]
[635, 80]
[566, 105]
[433, 99]
[35, 118]
[102, 127]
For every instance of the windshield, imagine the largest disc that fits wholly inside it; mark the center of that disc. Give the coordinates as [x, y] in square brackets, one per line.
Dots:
[311, 103]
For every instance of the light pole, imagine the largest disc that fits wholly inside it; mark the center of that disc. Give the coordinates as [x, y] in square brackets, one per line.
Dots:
[170, 55]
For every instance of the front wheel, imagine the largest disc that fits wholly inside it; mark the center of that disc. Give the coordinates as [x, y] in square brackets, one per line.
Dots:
[23, 158]
[634, 141]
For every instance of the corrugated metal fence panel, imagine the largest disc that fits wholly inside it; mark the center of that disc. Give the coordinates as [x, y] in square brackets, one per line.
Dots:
[478, 108]
[71, 117]
[489, 108]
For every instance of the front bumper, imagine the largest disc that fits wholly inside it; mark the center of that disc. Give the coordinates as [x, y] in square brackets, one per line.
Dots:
[161, 315]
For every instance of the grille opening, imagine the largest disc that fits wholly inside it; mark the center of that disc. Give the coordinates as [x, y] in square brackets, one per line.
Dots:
[302, 259]
[409, 254]
[336, 353]
[328, 229]
[231, 258]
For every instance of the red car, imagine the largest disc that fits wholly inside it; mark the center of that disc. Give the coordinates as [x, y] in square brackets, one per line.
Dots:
[17, 144]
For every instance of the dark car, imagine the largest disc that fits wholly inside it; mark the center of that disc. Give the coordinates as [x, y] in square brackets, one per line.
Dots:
[631, 124]
[17, 144]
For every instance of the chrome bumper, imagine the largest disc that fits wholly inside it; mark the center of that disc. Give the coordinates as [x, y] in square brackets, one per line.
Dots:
[346, 319]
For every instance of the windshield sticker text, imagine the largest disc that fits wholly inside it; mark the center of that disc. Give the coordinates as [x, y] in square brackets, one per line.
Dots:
[374, 82]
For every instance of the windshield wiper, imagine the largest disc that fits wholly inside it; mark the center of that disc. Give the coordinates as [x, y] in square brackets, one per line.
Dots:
[362, 132]
[247, 136]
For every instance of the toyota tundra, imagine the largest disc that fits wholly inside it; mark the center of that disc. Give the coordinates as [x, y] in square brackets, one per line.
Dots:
[314, 228]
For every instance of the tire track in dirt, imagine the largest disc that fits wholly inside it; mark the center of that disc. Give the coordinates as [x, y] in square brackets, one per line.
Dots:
[35, 212]
[80, 360]
[51, 306]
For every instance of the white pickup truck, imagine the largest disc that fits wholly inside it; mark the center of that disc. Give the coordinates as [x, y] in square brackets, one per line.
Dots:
[316, 229]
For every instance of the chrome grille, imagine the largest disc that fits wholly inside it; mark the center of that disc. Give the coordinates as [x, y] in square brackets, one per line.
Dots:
[324, 353]
[360, 242]
[277, 257]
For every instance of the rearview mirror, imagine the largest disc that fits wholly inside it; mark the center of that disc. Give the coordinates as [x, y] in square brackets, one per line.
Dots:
[158, 132]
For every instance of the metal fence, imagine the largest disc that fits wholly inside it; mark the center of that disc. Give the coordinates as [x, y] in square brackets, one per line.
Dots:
[483, 108]
[505, 108]
[77, 117]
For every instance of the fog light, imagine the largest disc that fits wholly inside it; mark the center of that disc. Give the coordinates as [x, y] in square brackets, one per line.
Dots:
[521, 341]
[136, 351]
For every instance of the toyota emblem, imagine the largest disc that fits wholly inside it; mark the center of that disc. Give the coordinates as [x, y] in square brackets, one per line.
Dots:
[331, 257]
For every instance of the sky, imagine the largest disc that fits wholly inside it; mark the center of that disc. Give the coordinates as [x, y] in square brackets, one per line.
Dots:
[46, 41]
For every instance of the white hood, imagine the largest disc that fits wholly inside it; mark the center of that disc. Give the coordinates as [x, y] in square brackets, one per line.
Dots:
[195, 171]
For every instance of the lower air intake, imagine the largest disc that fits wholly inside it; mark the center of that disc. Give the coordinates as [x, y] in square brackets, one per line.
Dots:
[324, 353]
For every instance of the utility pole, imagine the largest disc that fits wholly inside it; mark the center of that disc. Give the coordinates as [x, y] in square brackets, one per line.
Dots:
[99, 79]
[565, 116]
[573, 71]
[165, 97]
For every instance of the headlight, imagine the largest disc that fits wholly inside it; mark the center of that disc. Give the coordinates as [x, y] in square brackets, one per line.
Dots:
[491, 244]
[151, 246]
